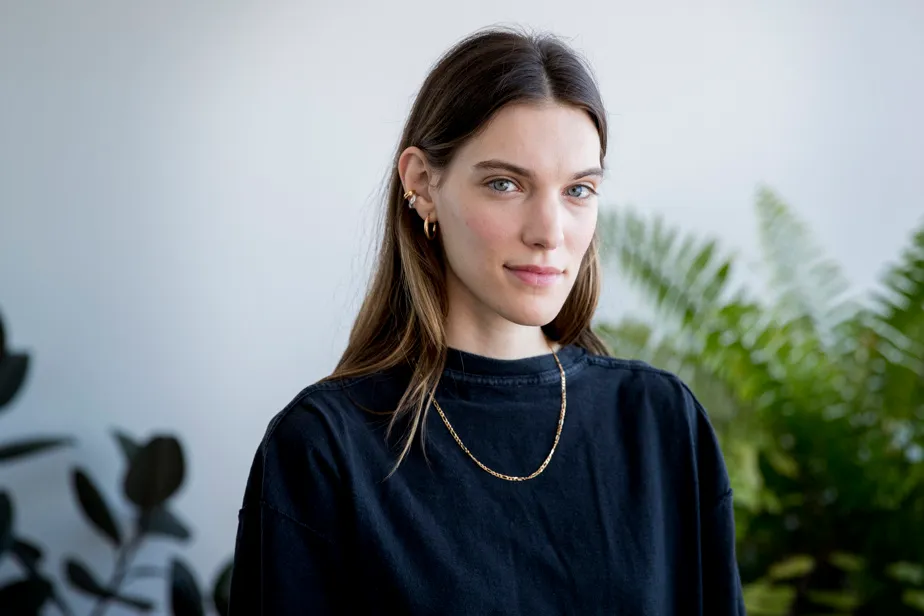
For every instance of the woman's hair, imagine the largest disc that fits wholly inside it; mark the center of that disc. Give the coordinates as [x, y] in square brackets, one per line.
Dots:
[402, 318]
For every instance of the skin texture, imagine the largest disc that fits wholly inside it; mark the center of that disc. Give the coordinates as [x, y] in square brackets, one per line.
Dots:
[493, 220]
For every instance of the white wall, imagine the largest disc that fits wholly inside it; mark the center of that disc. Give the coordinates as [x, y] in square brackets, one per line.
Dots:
[187, 191]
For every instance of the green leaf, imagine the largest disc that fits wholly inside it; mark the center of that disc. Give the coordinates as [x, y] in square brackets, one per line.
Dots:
[160, 521]
[684, 283]
[6, 522]
[28, 554]
[910, 573]
[128, 445]
[766, 599]
[185, 597]
[138, 603]
[25, 597]
[806, 284]
[155, 473]
[914, 598]
[793, 567]
[221, 589]
[13, 370]
[843, 600]
[19, 449]
[81, 578]
[847, 562]
[94, 506]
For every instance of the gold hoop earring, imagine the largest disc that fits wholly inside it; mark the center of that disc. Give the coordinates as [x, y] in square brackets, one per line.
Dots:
[411, 197]
[427, 232]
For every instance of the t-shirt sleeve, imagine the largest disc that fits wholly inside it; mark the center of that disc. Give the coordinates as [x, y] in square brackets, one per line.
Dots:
[722, 595]
[288, 556]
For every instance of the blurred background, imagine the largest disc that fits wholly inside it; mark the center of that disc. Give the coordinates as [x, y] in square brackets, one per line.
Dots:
[189, 197]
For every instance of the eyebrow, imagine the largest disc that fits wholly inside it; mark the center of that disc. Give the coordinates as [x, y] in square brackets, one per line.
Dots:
[500, 165]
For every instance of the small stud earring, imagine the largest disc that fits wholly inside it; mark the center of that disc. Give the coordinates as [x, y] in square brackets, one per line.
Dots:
[411, 197]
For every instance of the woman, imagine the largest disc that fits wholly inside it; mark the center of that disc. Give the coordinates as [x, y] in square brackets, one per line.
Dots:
[551, 479]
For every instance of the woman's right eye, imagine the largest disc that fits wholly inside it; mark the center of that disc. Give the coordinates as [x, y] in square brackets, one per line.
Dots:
[502, 185]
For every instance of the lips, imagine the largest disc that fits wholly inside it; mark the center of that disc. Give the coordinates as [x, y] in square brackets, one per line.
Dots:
[535, 275]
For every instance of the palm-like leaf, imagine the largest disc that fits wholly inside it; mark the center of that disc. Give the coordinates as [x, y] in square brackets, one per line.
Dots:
[806, 286]
[685, 278]
[688, 281]
[824, 399]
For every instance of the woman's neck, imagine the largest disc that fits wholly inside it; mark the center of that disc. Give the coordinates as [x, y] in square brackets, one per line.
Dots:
[498, 339]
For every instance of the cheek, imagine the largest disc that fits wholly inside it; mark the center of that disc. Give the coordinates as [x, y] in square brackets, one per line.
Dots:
[480, 234]
[583, 233]
[486, 230]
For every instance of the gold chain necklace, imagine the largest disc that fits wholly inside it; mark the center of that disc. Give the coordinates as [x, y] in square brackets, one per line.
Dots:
[545, 463]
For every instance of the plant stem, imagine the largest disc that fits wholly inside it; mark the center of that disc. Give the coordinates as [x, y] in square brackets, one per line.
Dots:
[143, 571]
[58, 600]
[126, 553]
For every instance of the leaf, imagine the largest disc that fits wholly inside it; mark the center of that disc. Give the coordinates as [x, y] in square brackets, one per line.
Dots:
[28, 554]
[761, 597]
[685, 283]
[843, 600]
[910, 573]
[847, 562]
[20, 449]
[914, 598]
[6, 523]
[81, 578]
[155, 473]
[160, 521]
[13, 369]
[221, 590]
[139, 603]
[805, 283]
[793, 567]
[25, 597]
[94, 506]
[185, 598]
[128, 445]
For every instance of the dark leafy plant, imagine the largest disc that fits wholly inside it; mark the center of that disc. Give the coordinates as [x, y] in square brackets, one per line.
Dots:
[818, 400]
[154, 474]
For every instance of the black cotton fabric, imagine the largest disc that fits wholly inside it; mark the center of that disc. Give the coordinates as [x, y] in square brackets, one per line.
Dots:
[633, 515]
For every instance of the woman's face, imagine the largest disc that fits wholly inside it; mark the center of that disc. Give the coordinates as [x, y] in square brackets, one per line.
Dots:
[516, 210]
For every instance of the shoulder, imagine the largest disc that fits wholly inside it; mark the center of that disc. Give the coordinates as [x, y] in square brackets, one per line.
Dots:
[672, 411]
[311, 437]
[320, 412]
[662, 389]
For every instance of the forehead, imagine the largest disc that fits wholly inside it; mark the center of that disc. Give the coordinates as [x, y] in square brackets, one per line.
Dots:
[550, 138]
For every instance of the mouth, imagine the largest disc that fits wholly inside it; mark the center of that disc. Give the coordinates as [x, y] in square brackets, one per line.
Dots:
[535, 275]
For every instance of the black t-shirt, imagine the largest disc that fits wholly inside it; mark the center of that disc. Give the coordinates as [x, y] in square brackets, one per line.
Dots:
[633, 515]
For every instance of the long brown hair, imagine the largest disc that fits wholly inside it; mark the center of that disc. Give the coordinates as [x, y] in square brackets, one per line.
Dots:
[402, 318]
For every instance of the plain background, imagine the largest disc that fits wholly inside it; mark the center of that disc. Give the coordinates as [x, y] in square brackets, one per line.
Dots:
[189, 191]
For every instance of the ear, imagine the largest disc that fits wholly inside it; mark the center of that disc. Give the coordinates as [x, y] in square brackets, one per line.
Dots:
[417, 175]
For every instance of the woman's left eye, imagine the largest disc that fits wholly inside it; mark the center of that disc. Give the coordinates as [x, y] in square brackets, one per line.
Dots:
[581, 191]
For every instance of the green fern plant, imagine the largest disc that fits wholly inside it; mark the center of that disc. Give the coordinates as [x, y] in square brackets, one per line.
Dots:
[817, 397]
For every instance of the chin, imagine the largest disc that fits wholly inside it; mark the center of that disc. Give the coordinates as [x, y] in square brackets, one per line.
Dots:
[532, 313]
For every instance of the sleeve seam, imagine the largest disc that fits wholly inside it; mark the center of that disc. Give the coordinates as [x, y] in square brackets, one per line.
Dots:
[296, 521]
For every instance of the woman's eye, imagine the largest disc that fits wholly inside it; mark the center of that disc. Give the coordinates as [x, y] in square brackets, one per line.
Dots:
[502, 185]
[580, 191]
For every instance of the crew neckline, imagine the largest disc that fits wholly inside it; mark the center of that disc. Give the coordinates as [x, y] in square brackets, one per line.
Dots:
[463, 363]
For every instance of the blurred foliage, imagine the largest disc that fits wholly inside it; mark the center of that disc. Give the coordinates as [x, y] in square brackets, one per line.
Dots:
[817, 398]
[154, 473]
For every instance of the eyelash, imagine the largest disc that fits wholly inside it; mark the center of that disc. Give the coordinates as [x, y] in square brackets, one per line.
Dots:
[591, 192]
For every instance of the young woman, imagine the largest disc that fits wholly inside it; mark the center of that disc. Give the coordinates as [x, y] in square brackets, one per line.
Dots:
[476, 451]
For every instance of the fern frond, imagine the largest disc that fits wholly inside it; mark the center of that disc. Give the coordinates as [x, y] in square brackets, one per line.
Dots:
[685, 279]
[806, 285]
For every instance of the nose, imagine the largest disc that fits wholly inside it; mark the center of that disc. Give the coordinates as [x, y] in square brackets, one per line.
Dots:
[543, 227]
